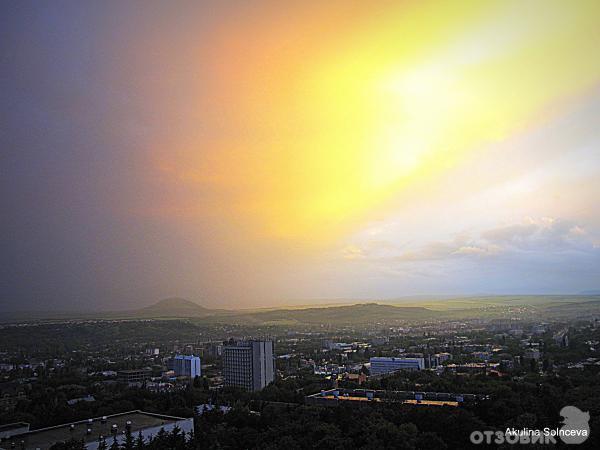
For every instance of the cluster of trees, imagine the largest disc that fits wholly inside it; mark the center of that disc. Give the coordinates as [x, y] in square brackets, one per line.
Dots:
[58, 340]
[303, 427]
[173, 440]
[275, 419]
[533, 402]
[46, 402]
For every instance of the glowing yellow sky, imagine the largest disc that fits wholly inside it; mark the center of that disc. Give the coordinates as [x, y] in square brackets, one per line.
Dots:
[319, 115]
[242, 152]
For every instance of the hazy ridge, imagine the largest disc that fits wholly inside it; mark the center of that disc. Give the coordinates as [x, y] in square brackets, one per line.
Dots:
[355, 313]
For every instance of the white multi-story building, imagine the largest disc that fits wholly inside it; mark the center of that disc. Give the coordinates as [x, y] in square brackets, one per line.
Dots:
[439, 358]
[383, 365]
[186, 366]
[249, 365]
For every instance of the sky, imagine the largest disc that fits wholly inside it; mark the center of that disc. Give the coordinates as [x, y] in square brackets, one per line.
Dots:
[246, 154]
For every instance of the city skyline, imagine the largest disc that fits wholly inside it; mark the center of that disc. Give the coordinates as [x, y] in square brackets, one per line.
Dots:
[244, 155]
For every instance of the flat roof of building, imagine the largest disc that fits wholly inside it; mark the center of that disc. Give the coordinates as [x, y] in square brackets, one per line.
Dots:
[350, 398]
[396, 396]
[13, 426]
[45, 437]
[377, 399]
[430, 402]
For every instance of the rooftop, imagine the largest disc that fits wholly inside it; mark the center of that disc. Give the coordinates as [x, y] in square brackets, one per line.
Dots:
[406, 402]
[405, 397]
[13, 426]
[45, 437]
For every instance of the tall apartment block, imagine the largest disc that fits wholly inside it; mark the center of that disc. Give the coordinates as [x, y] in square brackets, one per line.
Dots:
[249, 364]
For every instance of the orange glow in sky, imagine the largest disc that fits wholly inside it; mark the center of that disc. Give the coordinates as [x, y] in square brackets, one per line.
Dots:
[325, 113]
[242, 153]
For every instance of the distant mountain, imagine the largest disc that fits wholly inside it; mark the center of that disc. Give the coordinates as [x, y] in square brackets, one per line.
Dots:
[339, 315]
[354, 314]
[361, 313]
[167, 308]
[173, 307]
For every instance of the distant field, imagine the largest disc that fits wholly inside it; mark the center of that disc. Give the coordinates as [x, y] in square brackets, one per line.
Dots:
[509, 300]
